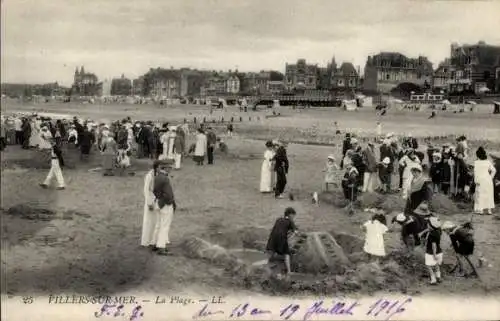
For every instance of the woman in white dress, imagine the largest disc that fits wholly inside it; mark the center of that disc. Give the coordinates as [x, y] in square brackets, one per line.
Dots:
[35, 139]
[484, 172]
[171, 140]
[149, 218]
[267, 169]
[408, 161]
[164, 142]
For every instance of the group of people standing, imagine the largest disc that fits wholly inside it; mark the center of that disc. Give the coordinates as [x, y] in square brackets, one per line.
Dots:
[447, 170]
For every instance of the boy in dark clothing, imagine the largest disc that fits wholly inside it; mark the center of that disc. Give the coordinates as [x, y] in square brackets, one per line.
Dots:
[462, 240]
[433, 251]
[436, 171]
[384, 175]
[350, 185]
[277, 243]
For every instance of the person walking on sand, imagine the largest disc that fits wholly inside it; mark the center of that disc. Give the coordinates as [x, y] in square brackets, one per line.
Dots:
[484, 172]
[165, 205]
[56, 163]
[149, 214]
[266, 171]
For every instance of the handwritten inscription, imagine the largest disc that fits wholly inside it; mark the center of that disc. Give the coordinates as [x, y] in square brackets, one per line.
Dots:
[380, 308]
[114, 310]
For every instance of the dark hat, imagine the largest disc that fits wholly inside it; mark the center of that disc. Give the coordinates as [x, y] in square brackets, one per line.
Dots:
[422, 209]
[269, 143]
[290, 211]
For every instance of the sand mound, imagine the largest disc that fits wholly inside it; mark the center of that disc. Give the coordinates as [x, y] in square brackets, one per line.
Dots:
[318, 252]
[323, 264]
[350, 243]
[30, 212]
[390, 203]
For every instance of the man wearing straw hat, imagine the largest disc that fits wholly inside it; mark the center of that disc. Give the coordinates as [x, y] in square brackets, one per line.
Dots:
[164, 204]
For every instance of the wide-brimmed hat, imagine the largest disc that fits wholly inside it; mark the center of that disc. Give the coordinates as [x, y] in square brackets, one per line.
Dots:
[331, 157]
[354, 141]
[435, 222]
[448, 225]
[422, 209]
[400, 218]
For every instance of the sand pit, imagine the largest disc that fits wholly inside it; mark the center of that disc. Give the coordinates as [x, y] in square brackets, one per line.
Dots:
[321, 263]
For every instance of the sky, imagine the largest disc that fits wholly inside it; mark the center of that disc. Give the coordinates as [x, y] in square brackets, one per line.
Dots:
[43, 41]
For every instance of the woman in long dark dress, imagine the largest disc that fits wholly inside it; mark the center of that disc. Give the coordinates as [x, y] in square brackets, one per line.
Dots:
[420, 190]
[281, 169]
[277, 243]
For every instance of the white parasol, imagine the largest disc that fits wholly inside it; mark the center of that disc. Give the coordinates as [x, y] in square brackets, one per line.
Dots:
[446, 102]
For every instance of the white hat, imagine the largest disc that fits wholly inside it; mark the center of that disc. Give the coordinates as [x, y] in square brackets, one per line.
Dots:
[331, 157]
[386, 161]
[354, 141]
[400, 218]
[389, 135]
[448, 225]
[434, 222]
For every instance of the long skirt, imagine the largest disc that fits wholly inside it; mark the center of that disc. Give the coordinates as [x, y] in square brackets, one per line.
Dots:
[266, 174]
[108, 162]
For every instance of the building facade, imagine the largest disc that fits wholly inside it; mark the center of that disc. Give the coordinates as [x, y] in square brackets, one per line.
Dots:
[442, 76]
[121, 86]
[474, 67]
[138, 86]
[232, 84]
[301, 75]
[387, 70]
[162, 83]
[344, 78]
[256, 83]
[84, 83]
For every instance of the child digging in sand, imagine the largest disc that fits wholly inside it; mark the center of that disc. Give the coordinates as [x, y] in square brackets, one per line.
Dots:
[375, 229]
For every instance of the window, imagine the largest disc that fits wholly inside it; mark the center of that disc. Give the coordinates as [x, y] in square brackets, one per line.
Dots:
[387, 77]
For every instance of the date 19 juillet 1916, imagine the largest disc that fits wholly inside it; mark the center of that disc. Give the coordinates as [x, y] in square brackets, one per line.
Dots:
[381, 308]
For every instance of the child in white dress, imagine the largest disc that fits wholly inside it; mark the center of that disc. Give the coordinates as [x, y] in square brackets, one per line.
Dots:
[329, 171]
[375, 229]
